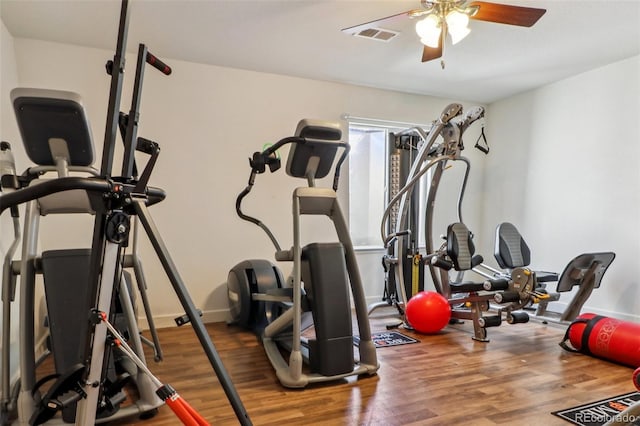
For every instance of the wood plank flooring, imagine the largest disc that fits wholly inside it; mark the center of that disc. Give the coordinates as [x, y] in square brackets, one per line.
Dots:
[520, 377]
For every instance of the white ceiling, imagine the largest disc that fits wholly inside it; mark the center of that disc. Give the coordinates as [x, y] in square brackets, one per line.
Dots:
[303, 38]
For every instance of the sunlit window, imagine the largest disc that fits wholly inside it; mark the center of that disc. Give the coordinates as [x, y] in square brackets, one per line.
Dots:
[370, 161]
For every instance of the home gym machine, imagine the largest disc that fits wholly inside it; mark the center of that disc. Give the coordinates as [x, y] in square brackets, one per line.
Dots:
[504, 294]
[115, 200]
[402, 147]
[440, 146]
[322, 273]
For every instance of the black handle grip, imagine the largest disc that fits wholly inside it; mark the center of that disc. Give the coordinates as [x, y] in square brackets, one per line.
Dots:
[158, 64]
[482, 148]
[507, 297]
[466, 287]
[496, 284]
[441, 263]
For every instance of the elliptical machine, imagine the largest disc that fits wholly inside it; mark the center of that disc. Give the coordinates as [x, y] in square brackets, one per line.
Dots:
[42, 114]
[325, 275]
[115, 200]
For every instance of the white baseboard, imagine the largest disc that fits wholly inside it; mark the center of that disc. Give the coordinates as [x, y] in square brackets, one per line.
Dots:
[561, 306]
[211, 316]
[167, 321]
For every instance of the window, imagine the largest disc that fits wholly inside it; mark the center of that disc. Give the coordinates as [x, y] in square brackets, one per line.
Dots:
[367, 183]
[368, 180]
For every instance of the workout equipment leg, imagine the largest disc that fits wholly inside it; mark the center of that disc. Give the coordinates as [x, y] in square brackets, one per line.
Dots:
[189, 307]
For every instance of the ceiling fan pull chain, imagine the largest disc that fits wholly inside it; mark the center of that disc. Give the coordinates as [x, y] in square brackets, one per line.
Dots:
[484, 147]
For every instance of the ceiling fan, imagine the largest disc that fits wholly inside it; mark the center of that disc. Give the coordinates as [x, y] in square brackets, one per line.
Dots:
[437, 18]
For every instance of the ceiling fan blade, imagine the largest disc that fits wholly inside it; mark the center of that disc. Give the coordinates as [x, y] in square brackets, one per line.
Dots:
[371, 24]
[506, 14]
[431, 53]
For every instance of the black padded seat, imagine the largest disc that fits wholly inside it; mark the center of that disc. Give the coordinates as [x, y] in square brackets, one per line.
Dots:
[460, 248]
[511, 251]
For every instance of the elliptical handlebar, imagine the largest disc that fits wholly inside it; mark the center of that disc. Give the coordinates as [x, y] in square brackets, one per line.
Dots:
[89, 184]
[252, 219]
[158, 64]
[267, 157]
[259, 161]
[336, 175]
[53, 186]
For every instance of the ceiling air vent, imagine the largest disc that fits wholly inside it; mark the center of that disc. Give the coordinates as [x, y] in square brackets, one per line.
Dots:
[377, 34]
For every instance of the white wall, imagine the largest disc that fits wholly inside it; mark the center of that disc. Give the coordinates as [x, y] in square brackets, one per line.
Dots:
[208, 120]
[9, 133]
[562, 166]
[564, 169]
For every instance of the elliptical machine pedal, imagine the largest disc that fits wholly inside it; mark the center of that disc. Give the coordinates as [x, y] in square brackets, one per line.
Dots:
[66, 391]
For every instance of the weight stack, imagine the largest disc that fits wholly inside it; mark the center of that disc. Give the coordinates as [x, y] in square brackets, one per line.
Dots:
[603, 337]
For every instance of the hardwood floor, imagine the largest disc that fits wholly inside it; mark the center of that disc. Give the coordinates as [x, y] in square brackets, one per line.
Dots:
[520, 377]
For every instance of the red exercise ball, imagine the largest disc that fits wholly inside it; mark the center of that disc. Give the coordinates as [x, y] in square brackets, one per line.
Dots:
[428, 312]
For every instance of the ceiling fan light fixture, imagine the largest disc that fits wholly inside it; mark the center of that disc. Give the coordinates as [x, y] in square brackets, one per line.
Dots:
[429, 30]
[457, 25]
[437, 18]
[431, 42]
[457, 35]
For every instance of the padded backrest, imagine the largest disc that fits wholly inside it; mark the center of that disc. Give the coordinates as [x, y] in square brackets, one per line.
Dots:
[53, 124]
[317, 154]
[460, 247]
[511, 251]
